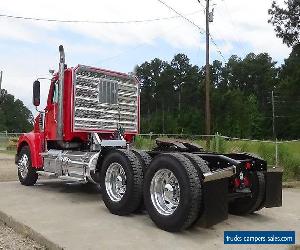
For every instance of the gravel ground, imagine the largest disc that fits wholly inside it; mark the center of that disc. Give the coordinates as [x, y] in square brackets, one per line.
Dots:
[10, 240]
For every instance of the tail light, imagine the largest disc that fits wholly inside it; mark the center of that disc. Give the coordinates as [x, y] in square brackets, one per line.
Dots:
[237, 182]
[248, 165]
[246, 181]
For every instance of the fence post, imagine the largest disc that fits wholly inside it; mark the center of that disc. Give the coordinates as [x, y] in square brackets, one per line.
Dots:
[276, 153]
[217, 142]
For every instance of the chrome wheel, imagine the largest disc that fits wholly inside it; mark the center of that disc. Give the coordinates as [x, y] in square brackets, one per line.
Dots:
[23, 165]
[115, 181]
[165, 192]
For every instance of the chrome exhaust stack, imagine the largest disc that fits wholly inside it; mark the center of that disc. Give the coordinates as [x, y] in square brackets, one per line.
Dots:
[61, 72]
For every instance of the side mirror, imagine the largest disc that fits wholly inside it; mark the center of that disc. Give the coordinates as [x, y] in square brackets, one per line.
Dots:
[36, 93]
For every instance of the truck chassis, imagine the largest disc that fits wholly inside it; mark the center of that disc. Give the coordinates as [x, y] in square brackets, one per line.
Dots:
[177, 183]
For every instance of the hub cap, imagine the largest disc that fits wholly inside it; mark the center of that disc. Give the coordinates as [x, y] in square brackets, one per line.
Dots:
[23, 165]
[115, 182]
[165, 192]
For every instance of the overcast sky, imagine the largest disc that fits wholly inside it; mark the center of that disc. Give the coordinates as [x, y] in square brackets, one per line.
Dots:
[28, 49]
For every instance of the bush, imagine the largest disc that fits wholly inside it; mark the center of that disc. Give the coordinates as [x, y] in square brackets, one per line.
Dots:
[290, 162]
[143, 143]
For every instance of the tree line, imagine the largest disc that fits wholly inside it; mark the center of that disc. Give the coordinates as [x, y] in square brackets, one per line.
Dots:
[172, 96]
[15, 117]
[172, 93]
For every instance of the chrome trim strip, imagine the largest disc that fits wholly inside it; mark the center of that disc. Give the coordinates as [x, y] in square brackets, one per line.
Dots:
[222, 173]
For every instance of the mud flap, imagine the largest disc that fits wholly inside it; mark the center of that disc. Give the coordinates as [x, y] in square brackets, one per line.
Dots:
[273, 189]
[215, 202]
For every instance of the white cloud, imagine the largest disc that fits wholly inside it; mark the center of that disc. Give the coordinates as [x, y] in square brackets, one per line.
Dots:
[231, 16]
[243, 22]
[238, 28]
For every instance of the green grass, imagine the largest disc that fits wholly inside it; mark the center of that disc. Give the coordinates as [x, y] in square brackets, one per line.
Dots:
[8, 145]
[288, 152]
[144, 143]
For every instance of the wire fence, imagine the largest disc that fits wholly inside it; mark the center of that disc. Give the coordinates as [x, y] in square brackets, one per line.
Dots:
[212, 137]
[282, 153]
[216, 139]
[8, 141]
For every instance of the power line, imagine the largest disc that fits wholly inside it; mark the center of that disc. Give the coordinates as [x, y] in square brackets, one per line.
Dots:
[181, 15]
[191, 22]
[119, 22]
[121, 53]
[95, 22]
[223, 39]
[218, 49]
[201, 4]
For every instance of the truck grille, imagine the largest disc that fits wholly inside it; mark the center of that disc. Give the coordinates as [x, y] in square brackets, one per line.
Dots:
[102, 101]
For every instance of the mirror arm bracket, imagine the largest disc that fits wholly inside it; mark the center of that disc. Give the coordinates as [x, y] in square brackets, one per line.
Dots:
[40, 111]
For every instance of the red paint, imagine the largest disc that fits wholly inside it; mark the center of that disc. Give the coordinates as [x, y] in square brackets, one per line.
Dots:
[35, 143]
[51, 110]
[37, 139]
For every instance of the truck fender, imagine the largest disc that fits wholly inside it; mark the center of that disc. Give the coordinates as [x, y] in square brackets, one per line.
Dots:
[34, 141]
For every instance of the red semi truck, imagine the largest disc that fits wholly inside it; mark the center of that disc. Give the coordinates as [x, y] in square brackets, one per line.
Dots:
[84, 135]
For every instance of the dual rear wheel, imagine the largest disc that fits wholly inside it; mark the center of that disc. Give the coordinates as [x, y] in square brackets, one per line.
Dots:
[170, 187]
[173, 192]
[121, 180]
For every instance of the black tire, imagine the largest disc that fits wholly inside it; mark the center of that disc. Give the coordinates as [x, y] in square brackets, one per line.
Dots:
[190, 192]
[134, 182]
[262, 203]
[145, 160]
[198, 162]
[243, 206]
[29, 178]
[261, 206]
[202, 168]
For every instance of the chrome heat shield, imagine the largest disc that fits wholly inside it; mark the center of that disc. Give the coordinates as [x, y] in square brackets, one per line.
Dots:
[103, 100]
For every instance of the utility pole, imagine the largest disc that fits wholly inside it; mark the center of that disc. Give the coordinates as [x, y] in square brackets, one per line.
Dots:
[207, 80]
[1, 72]
[274, 131]
[273, 115]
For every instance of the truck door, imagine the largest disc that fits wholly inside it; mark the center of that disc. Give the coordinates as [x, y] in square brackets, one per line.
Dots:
[51, 111]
